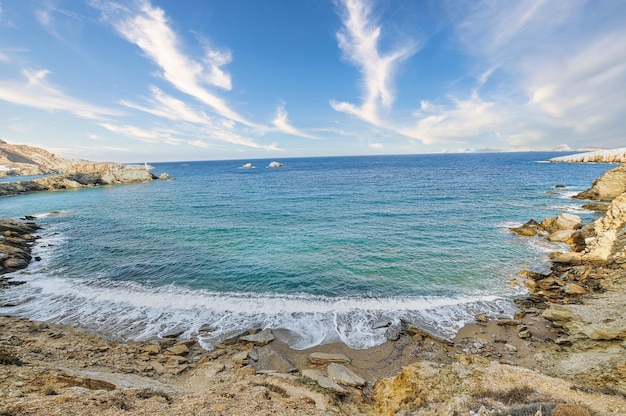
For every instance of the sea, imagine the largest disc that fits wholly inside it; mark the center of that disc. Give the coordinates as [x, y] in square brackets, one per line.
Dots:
[320, 250]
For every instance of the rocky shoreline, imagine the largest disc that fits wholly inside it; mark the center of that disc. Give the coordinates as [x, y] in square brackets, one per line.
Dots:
[564, 353]
[80, 180]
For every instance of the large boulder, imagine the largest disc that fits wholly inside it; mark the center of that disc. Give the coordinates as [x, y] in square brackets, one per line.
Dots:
[607, 186]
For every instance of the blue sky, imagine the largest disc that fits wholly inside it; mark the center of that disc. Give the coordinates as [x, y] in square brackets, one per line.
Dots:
[158, 80]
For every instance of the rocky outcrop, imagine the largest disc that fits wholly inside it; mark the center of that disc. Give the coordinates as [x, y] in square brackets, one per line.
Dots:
[22, 160]
[77, 181]
[558, 229]
[16, 239]
[488, 388]
[607, 187]
[597, 156]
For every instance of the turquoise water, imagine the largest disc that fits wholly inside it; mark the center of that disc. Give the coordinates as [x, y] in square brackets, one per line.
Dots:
[320, 250]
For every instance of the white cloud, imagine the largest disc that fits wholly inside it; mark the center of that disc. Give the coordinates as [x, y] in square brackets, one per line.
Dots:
[148, 28]
[281, 122]
[150, 136]
[35, 91]
[564, 64]
[163, 105]
[215, 60]
[377, 146]
[465, 119]
[359, 43]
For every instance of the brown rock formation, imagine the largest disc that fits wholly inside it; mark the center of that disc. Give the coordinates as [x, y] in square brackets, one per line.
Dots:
[30, 160]
[607, 187]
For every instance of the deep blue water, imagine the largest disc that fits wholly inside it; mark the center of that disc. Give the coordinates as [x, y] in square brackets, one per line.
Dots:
[320, 249]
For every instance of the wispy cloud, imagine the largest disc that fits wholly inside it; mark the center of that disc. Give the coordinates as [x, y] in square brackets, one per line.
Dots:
[564, 61]
[359, 43]
[150, 136]
[166, 106]
[466, 119]
[148, 28]
[35, 91]
[281, 122]
[64, 25]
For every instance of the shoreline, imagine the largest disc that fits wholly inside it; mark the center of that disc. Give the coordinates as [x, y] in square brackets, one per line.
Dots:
[544, 349]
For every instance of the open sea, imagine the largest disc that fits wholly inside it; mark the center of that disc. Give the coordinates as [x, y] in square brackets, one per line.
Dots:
[320, 250]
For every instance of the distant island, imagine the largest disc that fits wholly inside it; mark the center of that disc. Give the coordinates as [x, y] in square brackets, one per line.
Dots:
[65, 173]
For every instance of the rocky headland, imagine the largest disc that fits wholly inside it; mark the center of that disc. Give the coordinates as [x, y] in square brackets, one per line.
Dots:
[22, 160]
[562, 354]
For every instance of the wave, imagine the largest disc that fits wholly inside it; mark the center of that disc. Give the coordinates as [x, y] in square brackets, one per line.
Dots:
[133, 311]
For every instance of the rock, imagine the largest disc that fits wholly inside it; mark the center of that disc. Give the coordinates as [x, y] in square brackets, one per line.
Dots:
[275, 165]
[562, 236]
[158, 367]
[510, 348]
[325, 358]
[164, 176]
[15, 263]
[151, 349]
[175, 361]
[260, 338]
[323, 381]
[481, 317]
[253, 354]
[566, 221]
[179, 349]
[596, 206]
[607, 187]
[574, 289]
[394, 331]
[524, 231]
[343, 375]
[570, 410]
[240, 358]
[559, 314]
[566, 258]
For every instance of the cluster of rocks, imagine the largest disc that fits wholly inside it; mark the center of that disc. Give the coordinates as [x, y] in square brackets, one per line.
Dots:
[16, 240]
[79, 180]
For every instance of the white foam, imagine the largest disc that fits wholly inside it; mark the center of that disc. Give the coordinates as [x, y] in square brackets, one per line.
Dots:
[132, 311]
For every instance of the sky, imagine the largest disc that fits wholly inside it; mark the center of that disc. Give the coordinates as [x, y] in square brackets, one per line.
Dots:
[171, 80]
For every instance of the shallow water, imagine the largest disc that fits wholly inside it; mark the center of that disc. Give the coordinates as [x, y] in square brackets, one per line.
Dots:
[324, 248]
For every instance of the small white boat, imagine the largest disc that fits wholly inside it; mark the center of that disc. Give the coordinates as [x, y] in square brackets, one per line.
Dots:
[247, 166]
[275, 165]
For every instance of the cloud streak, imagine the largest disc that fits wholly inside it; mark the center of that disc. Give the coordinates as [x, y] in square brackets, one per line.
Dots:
[359, 42]
[35, 91]
[147, 27]
[281, 122]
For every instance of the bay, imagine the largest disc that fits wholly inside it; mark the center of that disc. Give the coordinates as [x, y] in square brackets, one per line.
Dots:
[320, 250]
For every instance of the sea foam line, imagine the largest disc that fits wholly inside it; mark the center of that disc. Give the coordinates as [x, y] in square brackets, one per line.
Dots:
[135, 312]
